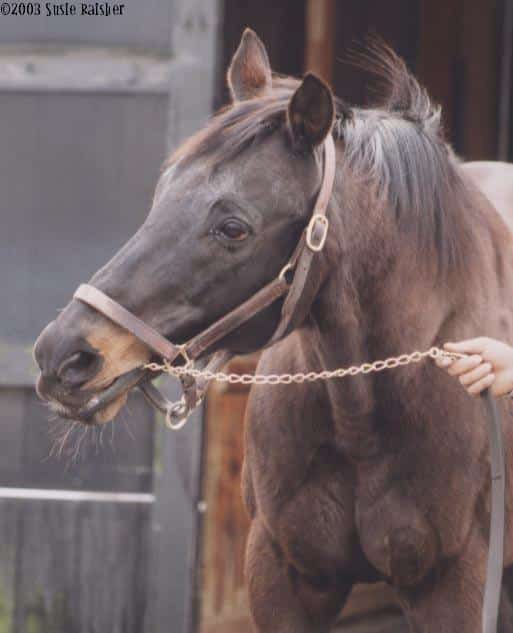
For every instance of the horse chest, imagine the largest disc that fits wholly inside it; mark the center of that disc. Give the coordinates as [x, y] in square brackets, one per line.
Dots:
[411, 514]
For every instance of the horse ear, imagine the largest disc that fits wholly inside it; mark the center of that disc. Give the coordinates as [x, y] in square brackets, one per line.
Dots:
[311, 112]
[249, 74]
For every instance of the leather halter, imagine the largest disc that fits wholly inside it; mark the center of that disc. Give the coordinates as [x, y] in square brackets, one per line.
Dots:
[312, 241]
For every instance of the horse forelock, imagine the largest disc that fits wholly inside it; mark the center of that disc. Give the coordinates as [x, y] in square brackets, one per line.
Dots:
[236, 126]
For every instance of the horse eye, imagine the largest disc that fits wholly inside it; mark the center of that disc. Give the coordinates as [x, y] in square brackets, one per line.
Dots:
[233, 229]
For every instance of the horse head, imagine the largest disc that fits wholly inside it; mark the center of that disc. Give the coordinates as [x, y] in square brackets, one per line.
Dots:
[228, 210]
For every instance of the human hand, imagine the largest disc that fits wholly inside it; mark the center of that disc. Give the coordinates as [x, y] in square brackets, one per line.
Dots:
[488, 363]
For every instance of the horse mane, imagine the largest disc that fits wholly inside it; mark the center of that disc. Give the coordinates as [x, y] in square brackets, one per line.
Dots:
[397, 145]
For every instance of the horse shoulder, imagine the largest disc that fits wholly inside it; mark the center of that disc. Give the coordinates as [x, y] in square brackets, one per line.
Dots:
[294, 470]
[285, 425]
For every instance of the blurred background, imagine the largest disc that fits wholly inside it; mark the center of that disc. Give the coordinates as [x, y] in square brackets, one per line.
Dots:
[138, 530]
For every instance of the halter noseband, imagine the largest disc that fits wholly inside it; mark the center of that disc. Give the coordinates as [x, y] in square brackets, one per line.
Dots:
[312, 241]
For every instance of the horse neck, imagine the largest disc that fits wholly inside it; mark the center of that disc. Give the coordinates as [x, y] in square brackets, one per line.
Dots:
[403, 307]
[394, 316]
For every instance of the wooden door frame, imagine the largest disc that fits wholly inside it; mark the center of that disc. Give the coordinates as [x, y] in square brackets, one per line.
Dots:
[505, 124]
[320, 38]
[177, 511]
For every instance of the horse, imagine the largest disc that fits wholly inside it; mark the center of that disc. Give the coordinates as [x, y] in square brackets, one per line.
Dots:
[383, 477]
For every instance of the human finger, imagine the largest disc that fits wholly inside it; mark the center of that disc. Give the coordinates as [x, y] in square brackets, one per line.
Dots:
[444, 361]
[481, 385]
[476, 374]
[464, 365]
[470, 346]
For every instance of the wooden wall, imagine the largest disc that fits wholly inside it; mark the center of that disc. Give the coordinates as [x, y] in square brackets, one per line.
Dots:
[89, 108]
[223, 599]
[281, 25]
[77, 564]
[459, 61]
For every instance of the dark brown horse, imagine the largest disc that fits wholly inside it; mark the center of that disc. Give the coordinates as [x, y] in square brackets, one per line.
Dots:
[380, 477]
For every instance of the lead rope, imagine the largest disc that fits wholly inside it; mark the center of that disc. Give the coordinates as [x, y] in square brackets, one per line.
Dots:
[495, 562]
[300, 377]
[176, 414]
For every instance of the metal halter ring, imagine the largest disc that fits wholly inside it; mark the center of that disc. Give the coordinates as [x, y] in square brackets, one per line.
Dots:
[312, 241]
[177, 415]
[287, 268]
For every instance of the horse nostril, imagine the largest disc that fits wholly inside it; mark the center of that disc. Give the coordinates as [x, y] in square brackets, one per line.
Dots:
[79, 368]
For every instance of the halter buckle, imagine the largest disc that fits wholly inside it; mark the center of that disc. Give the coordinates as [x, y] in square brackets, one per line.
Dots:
[317, 232]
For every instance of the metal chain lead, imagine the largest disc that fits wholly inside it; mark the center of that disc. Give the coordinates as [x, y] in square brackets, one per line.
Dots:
[301, 377]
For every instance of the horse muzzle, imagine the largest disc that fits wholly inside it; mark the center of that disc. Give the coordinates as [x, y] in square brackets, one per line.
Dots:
[86, 406]
[69, 368]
